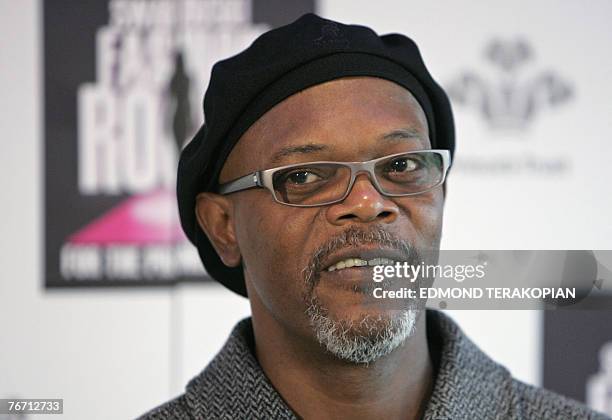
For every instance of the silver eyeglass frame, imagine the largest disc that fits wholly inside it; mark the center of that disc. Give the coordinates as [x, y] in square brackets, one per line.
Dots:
[264, 178]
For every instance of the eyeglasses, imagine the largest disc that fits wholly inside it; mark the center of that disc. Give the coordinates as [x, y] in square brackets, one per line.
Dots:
[320, 183]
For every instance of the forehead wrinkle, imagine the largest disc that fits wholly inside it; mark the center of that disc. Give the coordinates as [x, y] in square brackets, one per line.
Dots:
[312, 105]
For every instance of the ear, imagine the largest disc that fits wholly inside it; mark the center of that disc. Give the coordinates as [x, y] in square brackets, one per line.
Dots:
[215, 216]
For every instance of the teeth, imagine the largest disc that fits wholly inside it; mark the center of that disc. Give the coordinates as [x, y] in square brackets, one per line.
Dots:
[358, 262]
[380, 261]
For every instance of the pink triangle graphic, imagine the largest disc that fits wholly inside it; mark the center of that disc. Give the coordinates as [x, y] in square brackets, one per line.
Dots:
[139, 220]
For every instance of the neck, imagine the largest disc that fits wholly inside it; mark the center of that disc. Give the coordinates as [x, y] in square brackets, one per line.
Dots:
[316, 384]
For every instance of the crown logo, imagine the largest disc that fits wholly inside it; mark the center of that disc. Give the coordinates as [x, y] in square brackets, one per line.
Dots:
[331, 36]
[514, 98]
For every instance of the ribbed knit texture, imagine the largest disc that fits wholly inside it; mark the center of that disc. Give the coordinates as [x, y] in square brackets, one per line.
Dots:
[469, 385]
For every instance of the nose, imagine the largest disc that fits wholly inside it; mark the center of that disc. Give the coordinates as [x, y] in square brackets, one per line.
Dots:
[363, 204]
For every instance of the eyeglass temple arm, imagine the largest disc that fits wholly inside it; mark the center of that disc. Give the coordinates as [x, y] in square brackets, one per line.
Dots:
[242, 183]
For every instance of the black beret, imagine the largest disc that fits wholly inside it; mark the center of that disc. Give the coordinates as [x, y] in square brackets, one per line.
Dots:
[278, 64]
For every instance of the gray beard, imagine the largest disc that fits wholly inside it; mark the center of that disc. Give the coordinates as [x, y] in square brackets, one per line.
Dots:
[372, 337]
[363, 342]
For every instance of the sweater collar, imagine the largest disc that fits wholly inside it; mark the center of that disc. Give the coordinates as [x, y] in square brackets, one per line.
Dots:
[467, 380]
[233, 385]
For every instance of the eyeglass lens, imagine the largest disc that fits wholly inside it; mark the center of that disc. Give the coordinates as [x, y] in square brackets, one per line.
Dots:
[312, 184]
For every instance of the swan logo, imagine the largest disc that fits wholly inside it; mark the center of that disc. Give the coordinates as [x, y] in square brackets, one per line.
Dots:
[515, 95]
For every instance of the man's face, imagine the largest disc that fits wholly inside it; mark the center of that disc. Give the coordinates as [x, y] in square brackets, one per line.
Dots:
[286, 251]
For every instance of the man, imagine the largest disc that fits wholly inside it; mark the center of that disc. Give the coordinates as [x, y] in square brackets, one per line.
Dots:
[323, 155]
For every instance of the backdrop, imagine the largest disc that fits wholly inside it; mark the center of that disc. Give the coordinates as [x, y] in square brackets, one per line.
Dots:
[101, 295]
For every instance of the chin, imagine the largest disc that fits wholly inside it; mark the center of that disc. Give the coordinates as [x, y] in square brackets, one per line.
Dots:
[361, 335]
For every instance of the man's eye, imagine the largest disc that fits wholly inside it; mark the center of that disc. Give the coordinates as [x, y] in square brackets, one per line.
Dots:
[403, 165]
[302, 177]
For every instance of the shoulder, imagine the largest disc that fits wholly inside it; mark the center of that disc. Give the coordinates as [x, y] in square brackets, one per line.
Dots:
[231, 386]
[539, 403]
[173, 409]
[204, 397]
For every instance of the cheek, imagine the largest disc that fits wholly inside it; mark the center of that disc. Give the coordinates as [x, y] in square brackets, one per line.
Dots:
[425, 216]
[272, 240]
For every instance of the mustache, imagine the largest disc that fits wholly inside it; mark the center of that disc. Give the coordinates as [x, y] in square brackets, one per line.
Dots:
[353, 237]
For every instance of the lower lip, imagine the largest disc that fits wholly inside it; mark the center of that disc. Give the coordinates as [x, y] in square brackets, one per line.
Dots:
[352, 274]
[352, 283]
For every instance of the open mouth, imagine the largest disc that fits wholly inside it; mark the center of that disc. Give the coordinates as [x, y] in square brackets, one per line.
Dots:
[362, 258]
[359, 262]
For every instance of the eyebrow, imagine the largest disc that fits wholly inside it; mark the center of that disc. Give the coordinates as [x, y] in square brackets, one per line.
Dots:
[403, 134]
[296, 150]
[304, 149]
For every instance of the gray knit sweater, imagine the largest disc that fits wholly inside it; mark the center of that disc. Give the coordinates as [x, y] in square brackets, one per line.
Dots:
[468, 385]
